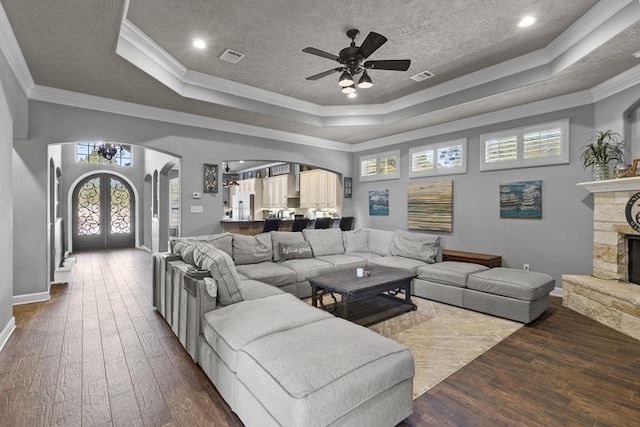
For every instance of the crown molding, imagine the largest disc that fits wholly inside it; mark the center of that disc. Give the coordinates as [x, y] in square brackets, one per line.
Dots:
[9, 46]
[595, 17]
[90, 102]
[616, 84]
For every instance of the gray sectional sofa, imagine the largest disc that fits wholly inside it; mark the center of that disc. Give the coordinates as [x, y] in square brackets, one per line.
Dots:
[234, 303]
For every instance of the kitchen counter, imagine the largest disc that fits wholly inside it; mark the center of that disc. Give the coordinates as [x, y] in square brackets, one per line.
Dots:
[255, 226]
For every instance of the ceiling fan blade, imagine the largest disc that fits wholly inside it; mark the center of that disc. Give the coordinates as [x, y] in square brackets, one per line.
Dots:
[389, 64]
[324, 74]
[371, 44]
[322, 53]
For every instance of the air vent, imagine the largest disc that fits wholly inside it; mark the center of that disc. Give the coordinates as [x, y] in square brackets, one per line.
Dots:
[231, 56]
[422, 76]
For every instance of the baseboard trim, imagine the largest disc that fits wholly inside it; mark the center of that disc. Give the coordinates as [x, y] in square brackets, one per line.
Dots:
[7, 331]
[557, 292]
[29, 298]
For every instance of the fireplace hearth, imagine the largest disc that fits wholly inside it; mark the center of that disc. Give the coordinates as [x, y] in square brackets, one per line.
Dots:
[611, 295]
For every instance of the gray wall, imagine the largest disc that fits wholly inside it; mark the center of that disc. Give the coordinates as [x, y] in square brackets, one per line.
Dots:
[50, 123]
[560, 242]
[13, 119]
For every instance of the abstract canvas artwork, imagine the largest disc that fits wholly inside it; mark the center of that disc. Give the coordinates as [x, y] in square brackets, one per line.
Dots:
[430, 206]
[521, 199]
[379, 202]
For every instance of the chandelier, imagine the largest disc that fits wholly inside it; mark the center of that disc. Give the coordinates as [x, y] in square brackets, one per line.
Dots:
[109, 150]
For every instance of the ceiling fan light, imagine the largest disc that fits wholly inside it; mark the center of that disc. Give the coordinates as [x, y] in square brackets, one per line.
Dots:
[365, 81]
[345, 79]
[349, 89]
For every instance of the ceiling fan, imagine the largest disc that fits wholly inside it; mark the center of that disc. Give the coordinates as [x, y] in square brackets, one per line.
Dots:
[350, 59]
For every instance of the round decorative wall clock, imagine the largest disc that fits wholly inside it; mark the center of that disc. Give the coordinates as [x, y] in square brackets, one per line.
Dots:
[632, 212]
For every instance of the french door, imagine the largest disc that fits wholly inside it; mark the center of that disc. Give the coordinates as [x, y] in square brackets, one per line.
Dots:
[103, 213]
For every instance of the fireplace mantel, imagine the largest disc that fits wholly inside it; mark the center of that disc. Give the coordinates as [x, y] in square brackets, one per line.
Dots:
[620, 184]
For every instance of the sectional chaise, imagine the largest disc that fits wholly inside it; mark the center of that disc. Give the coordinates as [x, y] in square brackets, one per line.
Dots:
[234, 303]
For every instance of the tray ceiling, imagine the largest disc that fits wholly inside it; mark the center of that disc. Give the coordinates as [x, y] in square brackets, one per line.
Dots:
[140, 52]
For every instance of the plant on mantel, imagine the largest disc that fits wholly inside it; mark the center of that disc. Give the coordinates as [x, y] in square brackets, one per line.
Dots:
[602, 149]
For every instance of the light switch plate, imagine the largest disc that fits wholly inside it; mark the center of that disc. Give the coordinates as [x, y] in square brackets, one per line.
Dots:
[197, 195]
[197, 209]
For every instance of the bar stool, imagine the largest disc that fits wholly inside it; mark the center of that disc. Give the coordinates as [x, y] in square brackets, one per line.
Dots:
[271, 224]
[346, 223]
[324, 222]
[299, 224]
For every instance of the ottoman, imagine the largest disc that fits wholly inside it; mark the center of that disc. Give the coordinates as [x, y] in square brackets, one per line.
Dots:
[514, 294]
[328, 372]
[444, 281]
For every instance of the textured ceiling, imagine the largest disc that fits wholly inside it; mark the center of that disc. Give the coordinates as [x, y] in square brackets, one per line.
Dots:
[71, 45]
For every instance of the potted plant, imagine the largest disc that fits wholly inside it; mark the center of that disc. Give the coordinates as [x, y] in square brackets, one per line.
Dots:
[602, 149]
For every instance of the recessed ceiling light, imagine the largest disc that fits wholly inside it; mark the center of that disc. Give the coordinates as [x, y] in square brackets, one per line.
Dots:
[526, 21]
[199, 43]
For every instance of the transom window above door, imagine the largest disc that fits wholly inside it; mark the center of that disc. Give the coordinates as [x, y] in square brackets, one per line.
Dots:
[103, 153]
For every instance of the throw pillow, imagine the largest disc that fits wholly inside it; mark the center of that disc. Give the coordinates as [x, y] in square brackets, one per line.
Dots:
[222, 270]
[380, 241]
[278, 237]
[252, 249]
[295, 250]
[420, 246]
[356, 241]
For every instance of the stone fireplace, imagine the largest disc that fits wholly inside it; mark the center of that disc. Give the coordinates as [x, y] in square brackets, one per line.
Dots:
[607, 295]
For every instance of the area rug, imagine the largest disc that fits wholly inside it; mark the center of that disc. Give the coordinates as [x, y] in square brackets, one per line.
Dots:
[443, 338]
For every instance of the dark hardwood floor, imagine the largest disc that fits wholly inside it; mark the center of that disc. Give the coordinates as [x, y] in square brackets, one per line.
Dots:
[98, 354]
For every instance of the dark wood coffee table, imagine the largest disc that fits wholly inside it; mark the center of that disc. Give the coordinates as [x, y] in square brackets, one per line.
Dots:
[364, 300]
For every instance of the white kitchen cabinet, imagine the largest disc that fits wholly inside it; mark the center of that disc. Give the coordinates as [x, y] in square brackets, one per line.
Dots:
[276, 189]
[318, 189]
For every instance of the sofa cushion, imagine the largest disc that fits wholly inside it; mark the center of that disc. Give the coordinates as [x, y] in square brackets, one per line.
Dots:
[344, 262]
[252, 249]
[424, 247]
[221, 267]
[230, 328]
[284, 237]
[324, 241]
[254, 289]
[380, 241]
[452, 273]
[367, 256]
[509, 282]
[402, 263]
[356, 241]
[269, 272]
[295, 250]
[328, 380]
[308, 267]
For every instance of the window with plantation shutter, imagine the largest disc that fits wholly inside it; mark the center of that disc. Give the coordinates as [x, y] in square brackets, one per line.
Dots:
[443, 158]
[537, 145]
[380, 166]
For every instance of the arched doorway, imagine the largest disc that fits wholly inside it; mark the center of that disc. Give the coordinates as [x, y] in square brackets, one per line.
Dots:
[103, 213]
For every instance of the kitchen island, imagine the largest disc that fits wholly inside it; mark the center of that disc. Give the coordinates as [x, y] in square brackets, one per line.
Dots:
[253, 227]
